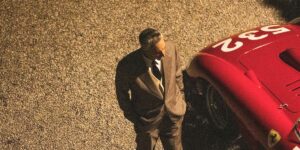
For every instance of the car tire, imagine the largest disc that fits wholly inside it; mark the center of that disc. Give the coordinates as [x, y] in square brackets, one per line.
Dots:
[220, 115]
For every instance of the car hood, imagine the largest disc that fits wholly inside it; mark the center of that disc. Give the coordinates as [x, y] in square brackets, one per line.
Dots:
[277, 67]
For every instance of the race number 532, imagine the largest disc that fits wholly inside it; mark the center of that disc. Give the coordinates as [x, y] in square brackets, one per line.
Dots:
[227, 46]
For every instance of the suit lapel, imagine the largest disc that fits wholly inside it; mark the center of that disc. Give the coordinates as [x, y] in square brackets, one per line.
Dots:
[166, 64]
[149, 79]
[151, 83]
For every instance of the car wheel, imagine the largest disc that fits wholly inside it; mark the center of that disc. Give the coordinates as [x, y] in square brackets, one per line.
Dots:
[220, 114]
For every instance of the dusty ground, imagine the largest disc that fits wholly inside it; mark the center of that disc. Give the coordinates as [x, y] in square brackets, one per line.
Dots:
[58, 60]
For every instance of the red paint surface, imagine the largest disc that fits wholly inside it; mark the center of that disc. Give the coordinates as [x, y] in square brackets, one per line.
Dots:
[255, 82]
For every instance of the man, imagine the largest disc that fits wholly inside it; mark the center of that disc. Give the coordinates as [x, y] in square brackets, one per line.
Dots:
[153, 76]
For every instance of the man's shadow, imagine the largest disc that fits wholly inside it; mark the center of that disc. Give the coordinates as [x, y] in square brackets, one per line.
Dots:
[289, 9]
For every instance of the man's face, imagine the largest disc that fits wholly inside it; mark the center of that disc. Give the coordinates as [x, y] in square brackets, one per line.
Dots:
[160, 47]
[158, 50]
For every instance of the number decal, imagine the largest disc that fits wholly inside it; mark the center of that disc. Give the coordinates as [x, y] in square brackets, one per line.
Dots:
[251, 35]
[275, 30]
[225, 45]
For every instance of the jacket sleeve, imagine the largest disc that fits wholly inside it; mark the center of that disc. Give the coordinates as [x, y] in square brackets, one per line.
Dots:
[122, 84]
[179, 76]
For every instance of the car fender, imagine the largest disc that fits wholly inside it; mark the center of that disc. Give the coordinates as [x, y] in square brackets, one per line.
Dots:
[252, 105]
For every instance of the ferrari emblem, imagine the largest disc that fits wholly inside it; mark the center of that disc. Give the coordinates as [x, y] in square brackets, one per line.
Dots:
[273, 138]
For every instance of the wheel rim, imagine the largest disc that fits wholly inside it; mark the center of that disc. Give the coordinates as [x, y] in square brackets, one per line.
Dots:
[217, 108]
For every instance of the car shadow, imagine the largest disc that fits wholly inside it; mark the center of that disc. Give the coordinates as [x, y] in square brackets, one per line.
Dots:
[289, 9]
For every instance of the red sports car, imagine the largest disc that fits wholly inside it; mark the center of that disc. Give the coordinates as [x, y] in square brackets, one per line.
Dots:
[255, 76]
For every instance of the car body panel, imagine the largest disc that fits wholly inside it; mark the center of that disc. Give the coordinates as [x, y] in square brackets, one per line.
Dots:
[282, 80]
[240, 68]
[253, 106]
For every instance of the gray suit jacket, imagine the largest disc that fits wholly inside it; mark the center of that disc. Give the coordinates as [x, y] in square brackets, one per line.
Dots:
[146, 102]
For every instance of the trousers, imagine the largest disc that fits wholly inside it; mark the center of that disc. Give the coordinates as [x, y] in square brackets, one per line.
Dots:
[168, 131]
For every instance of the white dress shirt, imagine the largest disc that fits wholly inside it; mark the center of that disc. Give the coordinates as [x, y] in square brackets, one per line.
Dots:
[158, 65]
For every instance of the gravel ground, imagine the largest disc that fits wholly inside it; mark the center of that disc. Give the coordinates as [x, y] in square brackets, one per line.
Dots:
[58, 60]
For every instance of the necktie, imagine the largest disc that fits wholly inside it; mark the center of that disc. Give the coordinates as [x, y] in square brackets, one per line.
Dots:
[156, 71]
